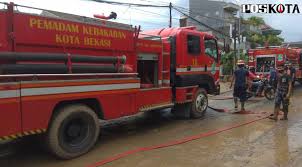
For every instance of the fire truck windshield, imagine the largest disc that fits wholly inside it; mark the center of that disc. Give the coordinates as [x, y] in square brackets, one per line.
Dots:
[263, 64]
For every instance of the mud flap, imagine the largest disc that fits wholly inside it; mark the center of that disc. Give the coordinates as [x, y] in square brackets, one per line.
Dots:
[182, 110]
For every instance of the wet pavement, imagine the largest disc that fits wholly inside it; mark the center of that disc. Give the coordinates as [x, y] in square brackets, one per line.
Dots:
[263, 143]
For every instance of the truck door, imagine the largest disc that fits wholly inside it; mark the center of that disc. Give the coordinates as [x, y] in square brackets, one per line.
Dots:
[211, 54]
[188, 57]
[10, 114]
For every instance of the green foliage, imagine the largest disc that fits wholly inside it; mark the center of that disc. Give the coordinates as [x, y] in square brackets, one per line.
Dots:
[227, 61]
[261, 39]
[255, 21]
[244, 57]
[273, 39]
[254, 38]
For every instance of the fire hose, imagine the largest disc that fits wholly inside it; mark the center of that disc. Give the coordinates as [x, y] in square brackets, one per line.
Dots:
[173, 143]
[180, 141]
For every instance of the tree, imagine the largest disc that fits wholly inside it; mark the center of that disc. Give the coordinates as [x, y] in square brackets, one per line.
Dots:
[273, 40]
[255, 21]
[257, 39]
[227, 61]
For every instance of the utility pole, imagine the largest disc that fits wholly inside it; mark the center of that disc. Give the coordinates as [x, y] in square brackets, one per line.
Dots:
[239, 38]
[170, 11]
[235, 51]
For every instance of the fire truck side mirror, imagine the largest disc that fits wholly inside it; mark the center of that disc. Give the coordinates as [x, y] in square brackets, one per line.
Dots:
[219, 54]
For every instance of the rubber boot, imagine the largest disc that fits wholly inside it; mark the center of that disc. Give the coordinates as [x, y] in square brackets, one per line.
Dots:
[242, 107]
[236, 102]
[285, 112]
[275, 115]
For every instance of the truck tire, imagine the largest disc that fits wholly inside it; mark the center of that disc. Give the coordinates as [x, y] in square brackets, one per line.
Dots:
[7, 148]
[73, 131]
[199, 104]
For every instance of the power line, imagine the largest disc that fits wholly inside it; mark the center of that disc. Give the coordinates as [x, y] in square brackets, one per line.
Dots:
[157, 2]
[154, 13]
[200, 14]
[165, 6]
[205, 25]
[130, 4]
[148, 22]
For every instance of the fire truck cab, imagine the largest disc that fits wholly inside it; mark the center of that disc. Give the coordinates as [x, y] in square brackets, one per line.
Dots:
[194, 58]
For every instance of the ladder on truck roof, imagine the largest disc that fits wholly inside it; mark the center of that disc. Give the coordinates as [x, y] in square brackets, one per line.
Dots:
[261, 47]
[75, 18]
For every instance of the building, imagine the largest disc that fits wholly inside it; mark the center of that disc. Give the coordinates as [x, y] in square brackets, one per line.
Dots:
[293, 44]
[266, 30]
[218, 14]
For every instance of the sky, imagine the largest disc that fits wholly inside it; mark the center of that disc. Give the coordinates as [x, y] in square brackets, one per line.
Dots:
[288, 23]
[151, 18]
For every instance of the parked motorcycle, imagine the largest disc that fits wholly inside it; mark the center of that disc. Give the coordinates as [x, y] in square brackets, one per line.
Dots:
[266, 88]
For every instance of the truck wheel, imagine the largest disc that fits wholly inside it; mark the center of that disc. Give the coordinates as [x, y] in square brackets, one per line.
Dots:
[7, 148]
[73, 131]
[199, 104]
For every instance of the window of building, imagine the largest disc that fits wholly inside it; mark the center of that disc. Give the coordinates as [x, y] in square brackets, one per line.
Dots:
[211, 48]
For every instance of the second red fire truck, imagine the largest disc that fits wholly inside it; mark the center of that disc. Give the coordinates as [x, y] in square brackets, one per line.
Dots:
[263, 58]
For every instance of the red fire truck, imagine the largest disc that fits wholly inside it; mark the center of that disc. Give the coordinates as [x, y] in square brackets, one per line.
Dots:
[262, 58]
[60, 75]
[294, 57]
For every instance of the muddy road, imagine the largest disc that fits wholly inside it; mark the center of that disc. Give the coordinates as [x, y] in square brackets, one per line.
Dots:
[262, 143]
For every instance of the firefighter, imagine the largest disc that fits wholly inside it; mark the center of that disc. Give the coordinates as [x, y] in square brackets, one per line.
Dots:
[240, 77]
[284, 87]
[273, 77]
[292, 73]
